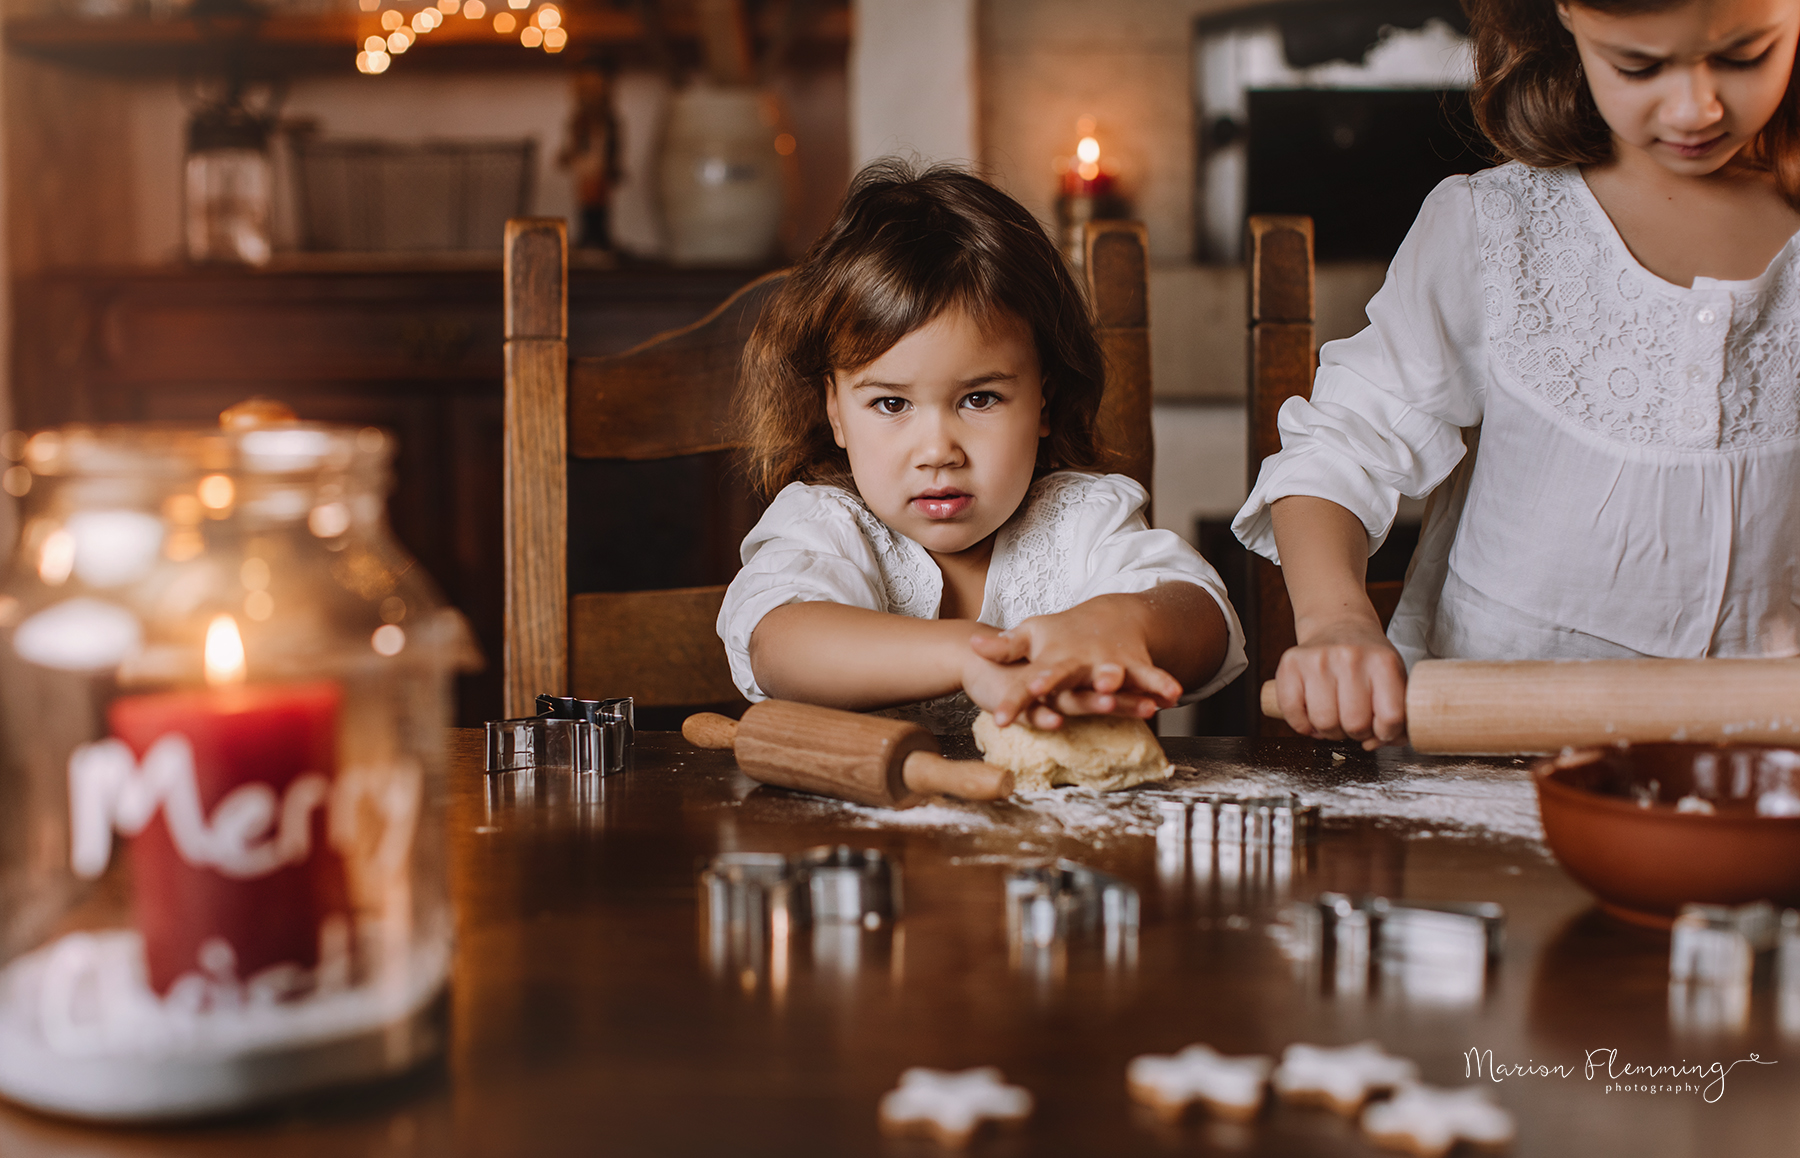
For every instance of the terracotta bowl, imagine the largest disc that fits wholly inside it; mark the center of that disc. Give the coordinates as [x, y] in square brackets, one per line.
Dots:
[1632, 825]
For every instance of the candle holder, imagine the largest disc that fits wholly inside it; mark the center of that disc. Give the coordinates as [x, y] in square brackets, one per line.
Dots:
[1088, 191]
[225, 693]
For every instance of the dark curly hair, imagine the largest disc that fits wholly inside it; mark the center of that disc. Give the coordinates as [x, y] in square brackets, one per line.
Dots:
[906, 246]
[1532, 101]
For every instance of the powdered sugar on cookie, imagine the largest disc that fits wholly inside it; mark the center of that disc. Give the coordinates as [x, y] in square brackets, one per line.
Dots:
[1231, 1087]
[1343, 1077]
[950, 1106]
[1428, 1121]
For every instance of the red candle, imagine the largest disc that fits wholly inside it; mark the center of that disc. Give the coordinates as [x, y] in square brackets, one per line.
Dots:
[233, 871]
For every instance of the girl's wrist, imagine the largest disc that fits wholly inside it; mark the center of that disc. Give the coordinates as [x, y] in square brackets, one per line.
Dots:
[1347, 625]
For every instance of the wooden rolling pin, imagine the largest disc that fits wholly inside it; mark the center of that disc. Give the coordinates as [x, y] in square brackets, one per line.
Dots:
[863, 759]
[1468, 707]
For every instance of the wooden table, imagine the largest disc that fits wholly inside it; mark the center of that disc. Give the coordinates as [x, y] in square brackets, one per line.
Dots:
[587, 1019]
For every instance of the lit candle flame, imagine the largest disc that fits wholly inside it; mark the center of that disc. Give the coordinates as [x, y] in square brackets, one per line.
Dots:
[224, 652]
[1087, 158]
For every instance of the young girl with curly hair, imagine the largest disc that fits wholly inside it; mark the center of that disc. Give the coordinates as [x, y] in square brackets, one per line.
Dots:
[1616, 311]
[919, 400]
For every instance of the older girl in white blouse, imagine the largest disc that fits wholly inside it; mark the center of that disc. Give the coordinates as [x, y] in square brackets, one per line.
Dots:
[1618, 311]
[920, 400]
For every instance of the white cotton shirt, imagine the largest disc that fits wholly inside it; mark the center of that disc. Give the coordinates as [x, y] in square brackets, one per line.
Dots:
[1074, 537]
[1635, 488]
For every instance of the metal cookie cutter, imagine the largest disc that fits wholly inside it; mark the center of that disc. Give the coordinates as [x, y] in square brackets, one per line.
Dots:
[1716, 953]
[756, 904]
[1425, 952]
[745, 897]
[1050, 906]
[848, 886]
[1236, 849]
[584, 736]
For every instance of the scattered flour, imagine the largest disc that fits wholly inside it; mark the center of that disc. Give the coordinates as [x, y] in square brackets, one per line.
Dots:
[1501, 804]
[1490, 797]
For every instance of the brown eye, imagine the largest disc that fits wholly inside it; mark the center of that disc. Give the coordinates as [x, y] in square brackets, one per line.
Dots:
[982, 400]
[890, 405]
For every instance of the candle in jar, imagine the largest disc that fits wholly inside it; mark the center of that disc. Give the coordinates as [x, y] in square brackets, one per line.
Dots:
[227, 793]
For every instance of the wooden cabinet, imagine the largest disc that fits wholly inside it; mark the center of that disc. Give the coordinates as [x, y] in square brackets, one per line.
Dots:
[413, 349]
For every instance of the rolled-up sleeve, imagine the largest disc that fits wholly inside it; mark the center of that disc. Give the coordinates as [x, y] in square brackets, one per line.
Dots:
[807, 548]
[1125, 556]
[1388, 404]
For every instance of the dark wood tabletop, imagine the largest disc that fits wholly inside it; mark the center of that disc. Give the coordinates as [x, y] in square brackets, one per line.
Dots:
[591, 1015]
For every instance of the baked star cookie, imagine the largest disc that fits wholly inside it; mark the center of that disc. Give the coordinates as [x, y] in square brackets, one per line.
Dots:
[1342, 1078]
[1428, 1121]
[949, 1107]
[1230, 1087]
[1104, 753]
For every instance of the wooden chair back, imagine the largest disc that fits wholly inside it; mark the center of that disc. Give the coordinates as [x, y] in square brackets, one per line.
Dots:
[1283, 358]
[671, 397]
[1116, 267]
[666, 398]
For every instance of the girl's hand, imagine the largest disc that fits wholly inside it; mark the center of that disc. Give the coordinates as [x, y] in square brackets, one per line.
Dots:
[1344, 681]
[1004, 689]
[1090, 660]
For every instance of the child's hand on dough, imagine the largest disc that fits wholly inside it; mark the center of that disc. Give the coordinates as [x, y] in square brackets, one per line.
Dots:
[1004, 689]
[1091, 660]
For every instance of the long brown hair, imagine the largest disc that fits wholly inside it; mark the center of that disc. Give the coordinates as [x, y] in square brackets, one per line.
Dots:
[1532, 101]
[906, 246]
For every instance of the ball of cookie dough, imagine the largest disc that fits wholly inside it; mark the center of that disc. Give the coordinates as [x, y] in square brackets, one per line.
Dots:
[1100, 752]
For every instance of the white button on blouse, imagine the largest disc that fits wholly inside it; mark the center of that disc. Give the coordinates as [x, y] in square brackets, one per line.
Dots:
[1637, 486]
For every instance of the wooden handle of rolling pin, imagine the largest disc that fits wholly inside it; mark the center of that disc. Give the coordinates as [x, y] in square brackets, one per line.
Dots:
[862, 758]
[709, 730]
[1466, 707]
[929, 774]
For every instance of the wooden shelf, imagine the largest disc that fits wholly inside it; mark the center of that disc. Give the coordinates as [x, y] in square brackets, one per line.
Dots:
[275, 46]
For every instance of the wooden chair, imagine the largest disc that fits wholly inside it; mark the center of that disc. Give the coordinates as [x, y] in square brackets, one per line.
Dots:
[670, 397]
[1284, 356]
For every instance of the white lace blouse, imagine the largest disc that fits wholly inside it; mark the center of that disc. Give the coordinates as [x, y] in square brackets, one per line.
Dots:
[1074, 537]
[1635, 489]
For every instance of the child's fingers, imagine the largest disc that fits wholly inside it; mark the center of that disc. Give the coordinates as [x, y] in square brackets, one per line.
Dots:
[1001, 648]
[1057, 677]
[1009, 701]
[1318, 708]
[1355, 710]
[1044, 718]
[1083, 702]
[1154, 681]
[1388, 688]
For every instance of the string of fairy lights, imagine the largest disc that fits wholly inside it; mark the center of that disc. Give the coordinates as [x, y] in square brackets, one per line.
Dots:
[540, 28]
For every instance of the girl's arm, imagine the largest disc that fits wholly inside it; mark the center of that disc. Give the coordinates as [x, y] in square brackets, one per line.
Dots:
[1344, 679]
[851, 657]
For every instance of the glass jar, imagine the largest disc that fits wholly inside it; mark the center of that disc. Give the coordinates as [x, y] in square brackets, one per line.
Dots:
[229, 189]
[225, 697]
